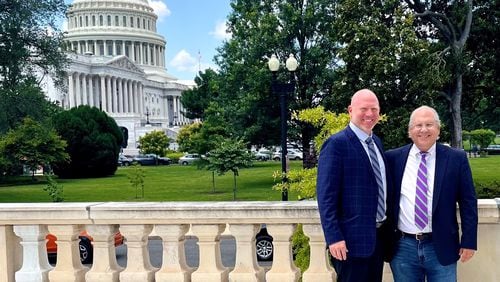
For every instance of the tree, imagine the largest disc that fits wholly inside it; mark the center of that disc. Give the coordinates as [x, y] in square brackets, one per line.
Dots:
[33, 145]
[281, 27]
[155, 142]
[230, 155]
[21, 101]
[195, 101]
[31, 40]
[381, 51]
[482, 137]
[93, 140]
[451, 23]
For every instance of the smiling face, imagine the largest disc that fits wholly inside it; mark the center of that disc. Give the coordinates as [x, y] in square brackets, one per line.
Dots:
[424, 128]
[364, 110]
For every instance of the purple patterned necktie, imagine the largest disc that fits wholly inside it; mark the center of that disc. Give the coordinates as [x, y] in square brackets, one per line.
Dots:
[421, 211]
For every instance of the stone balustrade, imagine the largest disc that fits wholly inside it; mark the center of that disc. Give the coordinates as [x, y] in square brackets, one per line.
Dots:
[23, 228]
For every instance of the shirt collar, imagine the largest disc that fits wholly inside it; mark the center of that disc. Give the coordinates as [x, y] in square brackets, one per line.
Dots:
[414, 151]
[359, 133]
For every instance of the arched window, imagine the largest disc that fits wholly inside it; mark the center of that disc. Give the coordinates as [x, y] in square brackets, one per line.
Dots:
[109, 20]
[101, 20]
[93, 20]
[125, 21]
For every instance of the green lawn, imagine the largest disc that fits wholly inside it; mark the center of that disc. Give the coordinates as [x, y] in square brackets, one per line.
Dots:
[162, 183]
[187, 183]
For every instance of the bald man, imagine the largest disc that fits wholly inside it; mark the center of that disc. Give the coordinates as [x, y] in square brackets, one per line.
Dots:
[352, 193]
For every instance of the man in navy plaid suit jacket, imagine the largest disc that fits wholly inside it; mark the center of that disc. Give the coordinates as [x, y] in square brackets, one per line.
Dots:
[348, 194]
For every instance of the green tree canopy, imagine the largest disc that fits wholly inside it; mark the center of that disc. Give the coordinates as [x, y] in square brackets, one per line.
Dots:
[30, 40]
[154, 142]
[93, 142]
[33, 145]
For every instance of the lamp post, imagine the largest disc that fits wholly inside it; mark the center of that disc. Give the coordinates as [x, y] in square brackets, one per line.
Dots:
[283, 88]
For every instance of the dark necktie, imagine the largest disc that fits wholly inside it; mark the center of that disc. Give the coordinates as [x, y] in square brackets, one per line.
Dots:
[378, 177]
[421, 209]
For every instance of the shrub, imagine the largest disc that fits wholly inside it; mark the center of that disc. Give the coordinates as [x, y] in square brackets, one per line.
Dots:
[93, 140]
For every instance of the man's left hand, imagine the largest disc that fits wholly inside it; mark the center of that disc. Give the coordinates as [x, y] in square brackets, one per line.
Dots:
[466, 254]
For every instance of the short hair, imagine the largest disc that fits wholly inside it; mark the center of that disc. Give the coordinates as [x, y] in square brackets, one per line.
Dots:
[436, 115]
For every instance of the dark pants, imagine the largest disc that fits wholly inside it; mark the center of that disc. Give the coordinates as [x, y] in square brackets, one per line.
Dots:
[367, 269]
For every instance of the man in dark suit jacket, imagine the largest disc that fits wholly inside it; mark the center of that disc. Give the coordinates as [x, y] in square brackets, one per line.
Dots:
[352, 193]
[430, 179]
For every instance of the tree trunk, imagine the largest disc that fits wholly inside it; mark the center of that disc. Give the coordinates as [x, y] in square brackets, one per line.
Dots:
[456, 117]
[234, 188]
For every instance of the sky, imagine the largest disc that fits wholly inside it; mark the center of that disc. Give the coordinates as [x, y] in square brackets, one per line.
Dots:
[193, 30]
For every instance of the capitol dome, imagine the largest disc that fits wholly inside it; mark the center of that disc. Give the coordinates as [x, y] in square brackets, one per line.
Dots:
[118, 27]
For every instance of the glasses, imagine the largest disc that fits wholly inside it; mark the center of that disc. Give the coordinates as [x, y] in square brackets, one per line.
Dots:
[421, 126]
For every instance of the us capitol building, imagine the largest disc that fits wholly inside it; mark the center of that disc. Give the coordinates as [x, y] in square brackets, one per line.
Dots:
[118, 65]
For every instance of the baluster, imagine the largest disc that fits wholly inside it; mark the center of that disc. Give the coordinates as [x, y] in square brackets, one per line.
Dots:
[246, 267]
[35, 266]
[10, 250]
[105, 267]
[283, 268]
[68, 267]
[319, 267]
[139, 267]
[211, 268]
[174, 267]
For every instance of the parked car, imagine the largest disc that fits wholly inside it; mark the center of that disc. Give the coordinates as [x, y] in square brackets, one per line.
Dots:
[151, 159]
[124, 160]
[493, 149]
[85, 245]
[264, 245]
[262, 155]
[189, 159]
[293, 154]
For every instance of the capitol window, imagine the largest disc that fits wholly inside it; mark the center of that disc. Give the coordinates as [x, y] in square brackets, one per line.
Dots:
[109, 20]
[125, 21]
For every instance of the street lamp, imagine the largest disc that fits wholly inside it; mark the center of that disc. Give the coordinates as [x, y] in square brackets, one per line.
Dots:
[283, 88]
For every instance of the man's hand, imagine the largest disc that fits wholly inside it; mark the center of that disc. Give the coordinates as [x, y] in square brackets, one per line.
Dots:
[465, 254]
[339, 250]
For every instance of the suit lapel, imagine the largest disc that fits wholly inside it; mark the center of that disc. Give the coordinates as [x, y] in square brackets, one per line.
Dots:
[439, 173]
[359, 147]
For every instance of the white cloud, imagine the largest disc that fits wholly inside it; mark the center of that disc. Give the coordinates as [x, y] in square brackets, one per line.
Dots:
[185, 62]
[161, 9]
[220, 31]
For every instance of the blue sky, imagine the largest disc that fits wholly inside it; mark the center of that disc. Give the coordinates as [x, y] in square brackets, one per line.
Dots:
[193, 30]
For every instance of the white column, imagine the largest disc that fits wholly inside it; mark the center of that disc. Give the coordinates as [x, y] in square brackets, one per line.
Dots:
[167, 110]
[153, 53]
[319, 268]
[136, 97]
[86, 46]
[103, 103]
[114, 48]
[176, 112]
[210, 267]
[109, 98]
[123, 47]
[105, 47]
[85, 100]
[71, 91]
[79, 47]
[245, 266]
[125, 96]
[95, 48]
[120, 95]
[283, 268]
[130, 108]
[139, 267]
[174, 267]
[10, 253]
[141, 55]
[141, 99]
[78, 101]
[68, 267]
[114, 95]
[35, 266]
[132, 50]
[104, 267]
[91, 92]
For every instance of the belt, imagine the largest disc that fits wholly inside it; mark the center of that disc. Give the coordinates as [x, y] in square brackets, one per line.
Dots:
[418, 236]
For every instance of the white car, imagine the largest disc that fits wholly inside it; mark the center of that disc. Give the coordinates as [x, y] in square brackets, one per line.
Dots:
[293, 154]
[189, 159]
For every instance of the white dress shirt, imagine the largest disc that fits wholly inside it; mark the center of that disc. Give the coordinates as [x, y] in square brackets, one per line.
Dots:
[408, 190]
